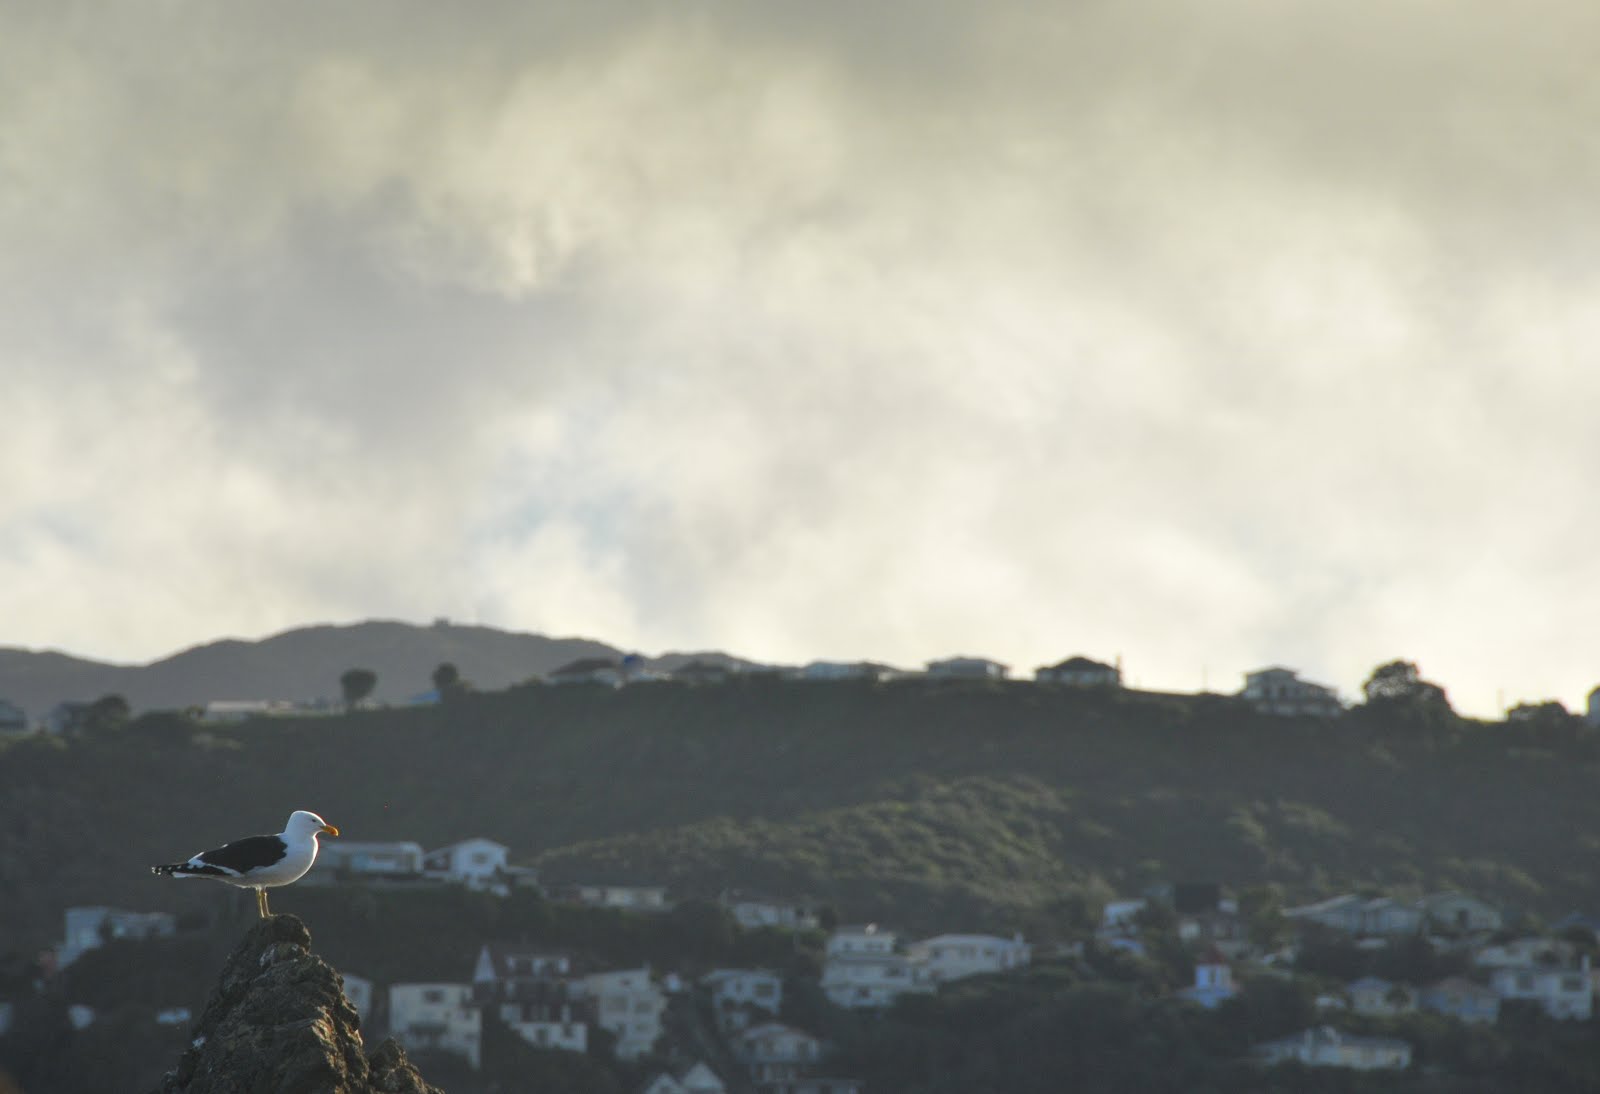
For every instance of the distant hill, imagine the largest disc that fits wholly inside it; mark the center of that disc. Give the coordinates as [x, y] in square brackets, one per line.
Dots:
[304, 663]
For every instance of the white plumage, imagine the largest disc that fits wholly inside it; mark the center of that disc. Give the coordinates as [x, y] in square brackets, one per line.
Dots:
[259, 862]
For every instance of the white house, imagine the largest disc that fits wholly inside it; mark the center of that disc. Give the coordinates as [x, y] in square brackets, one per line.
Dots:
[1376, 997]
[1120, 917]
[1461, 912]
[477, 863]
[227, 711]
[848, 670]
[1079, 672]
[13, 719]
[1360, 916]
[737, 994]
[91, 927]
[955, 956]
[1213, 980]
[864, 968]
[368, 860]
[528, 990]
[437, 1018]
[1566, 993]
[967, 668]
[698, 1079]
[633, 898]
[1460, 998]
[774, 1051]
[629, 1005]
[861, 940]
[1279, 690]
[1327, 1047]
[1526, 953]
[753, 912]
[811, 1084]
[358, 989]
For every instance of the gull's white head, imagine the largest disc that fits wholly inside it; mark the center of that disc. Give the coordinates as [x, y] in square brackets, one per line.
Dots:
[302, 824]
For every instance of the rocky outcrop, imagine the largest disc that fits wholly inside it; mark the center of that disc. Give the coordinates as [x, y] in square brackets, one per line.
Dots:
[279, 1023]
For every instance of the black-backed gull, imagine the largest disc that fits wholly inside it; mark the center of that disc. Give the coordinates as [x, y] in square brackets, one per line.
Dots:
[259, 862]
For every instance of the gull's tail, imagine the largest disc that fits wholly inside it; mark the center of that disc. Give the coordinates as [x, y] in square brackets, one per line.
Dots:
[186, 869]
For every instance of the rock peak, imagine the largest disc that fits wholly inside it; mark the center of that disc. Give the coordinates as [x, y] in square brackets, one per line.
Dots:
[278, 1020]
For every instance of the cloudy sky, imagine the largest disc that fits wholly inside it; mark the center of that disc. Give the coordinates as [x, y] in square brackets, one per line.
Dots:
[1208, 335]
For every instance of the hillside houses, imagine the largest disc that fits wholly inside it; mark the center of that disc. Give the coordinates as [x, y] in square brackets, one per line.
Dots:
[1080, 672]
[1278, 690]
[89, 928]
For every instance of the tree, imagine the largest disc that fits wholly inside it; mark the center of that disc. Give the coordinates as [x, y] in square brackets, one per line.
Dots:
[109, 712]
[1400, 684]
[446, 678]
[357, 684]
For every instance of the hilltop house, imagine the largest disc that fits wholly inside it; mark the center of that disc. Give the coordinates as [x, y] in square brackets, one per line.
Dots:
[89, 928]
[437, 1018]
[589, 670]
[967, 668]
[701, 672]
[1080, 672]
[1328, 1047]
[847, 670]
[13, 719]
[231, 711]
[1279, 690]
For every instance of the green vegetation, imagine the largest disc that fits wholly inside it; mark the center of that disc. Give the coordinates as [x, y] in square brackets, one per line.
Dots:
[929, 805]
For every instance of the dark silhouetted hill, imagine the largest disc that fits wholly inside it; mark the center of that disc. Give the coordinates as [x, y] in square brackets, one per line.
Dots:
[300, 664]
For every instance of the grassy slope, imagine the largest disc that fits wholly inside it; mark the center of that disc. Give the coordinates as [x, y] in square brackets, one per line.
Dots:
[910, 800]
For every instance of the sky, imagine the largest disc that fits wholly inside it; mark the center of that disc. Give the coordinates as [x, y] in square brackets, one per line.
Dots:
[1210, 336]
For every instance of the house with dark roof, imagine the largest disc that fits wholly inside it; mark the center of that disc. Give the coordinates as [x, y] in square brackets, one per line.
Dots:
[1080, 672]
[589, 670]
[967, 668]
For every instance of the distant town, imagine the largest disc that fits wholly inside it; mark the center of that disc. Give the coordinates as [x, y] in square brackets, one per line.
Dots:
[1272, 690]
[554, 1001]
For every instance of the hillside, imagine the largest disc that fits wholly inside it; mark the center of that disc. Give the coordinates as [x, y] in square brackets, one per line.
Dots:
[937, 804]
[304, 663]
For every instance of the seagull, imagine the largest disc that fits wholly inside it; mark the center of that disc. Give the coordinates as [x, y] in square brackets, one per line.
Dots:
[259, 862]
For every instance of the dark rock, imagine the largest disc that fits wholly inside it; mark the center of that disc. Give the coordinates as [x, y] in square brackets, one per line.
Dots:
[279, 1023]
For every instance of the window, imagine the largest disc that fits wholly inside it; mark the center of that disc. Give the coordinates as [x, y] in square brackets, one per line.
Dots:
[433, 995]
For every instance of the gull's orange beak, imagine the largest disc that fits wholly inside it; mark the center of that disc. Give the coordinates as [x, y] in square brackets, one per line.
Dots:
[329, 829]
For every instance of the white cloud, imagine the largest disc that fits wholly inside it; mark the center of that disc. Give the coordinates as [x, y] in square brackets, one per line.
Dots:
[1213, 338]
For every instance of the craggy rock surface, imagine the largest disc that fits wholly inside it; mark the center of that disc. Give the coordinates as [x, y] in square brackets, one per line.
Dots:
[279, 1023]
